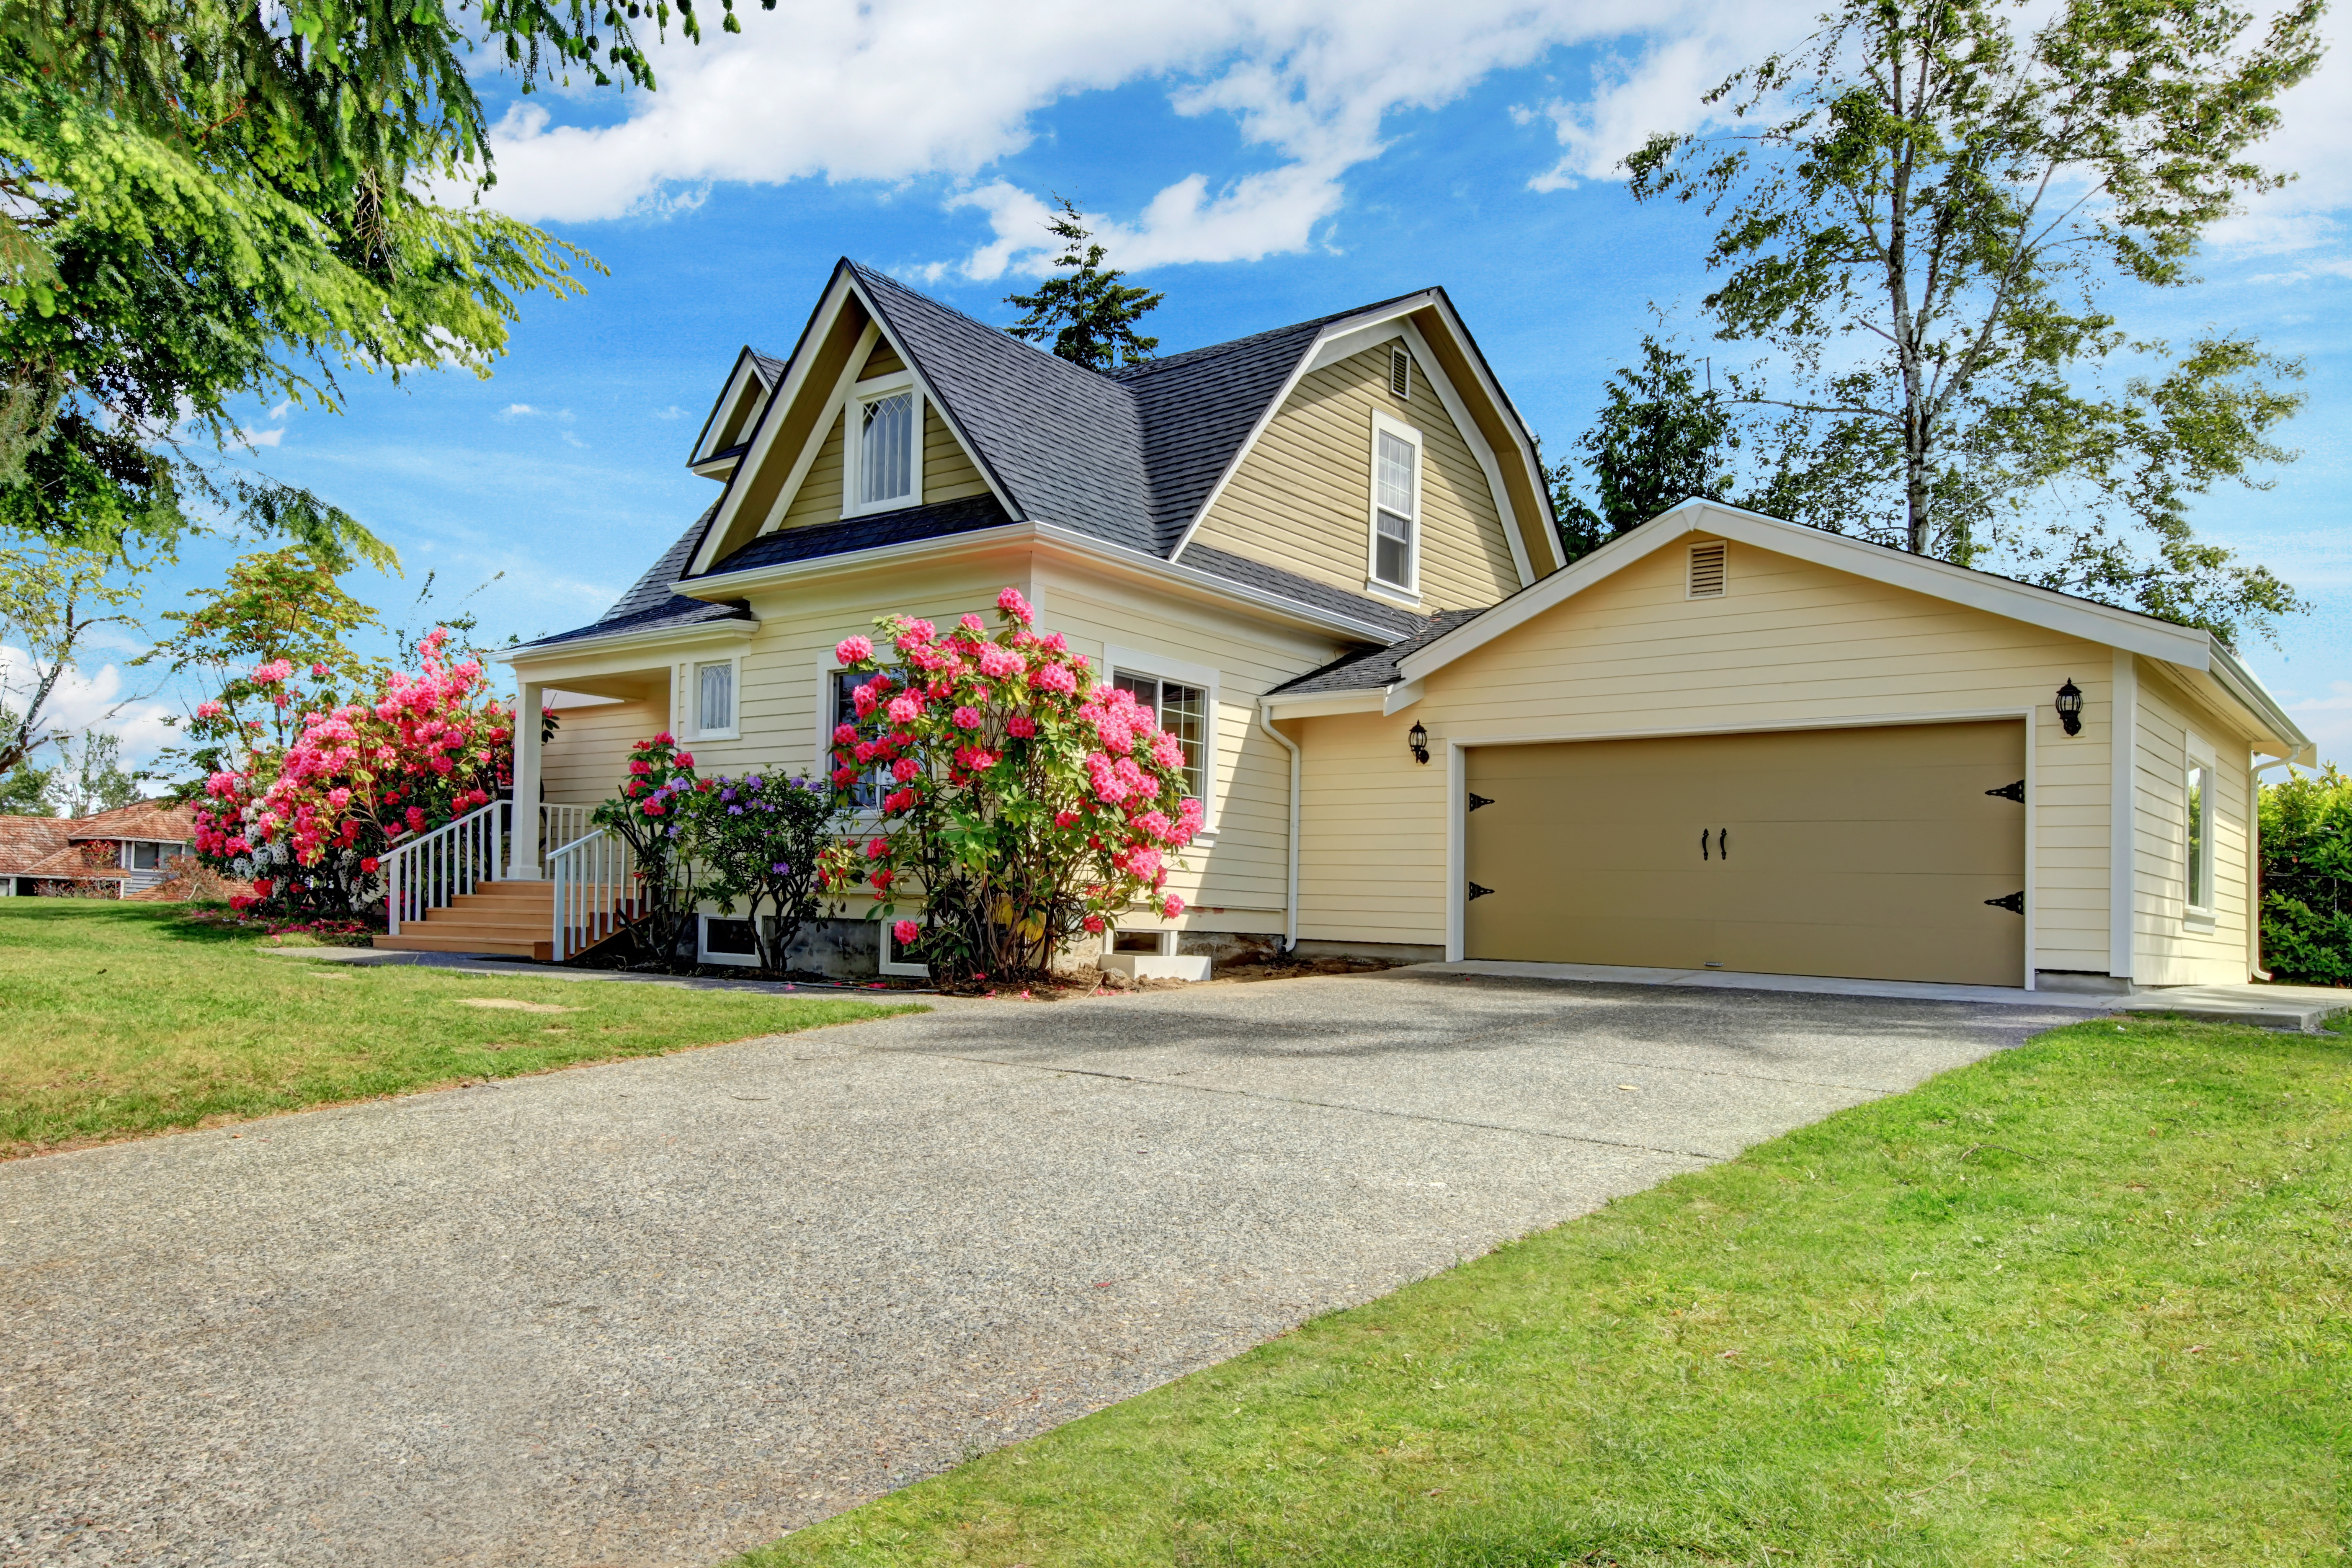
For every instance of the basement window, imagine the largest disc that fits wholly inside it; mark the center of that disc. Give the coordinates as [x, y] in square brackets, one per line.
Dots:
[729, 943]
[1708, 570]
[1158, 944]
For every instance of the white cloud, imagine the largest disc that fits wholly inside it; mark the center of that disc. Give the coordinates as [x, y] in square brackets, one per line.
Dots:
[519, 411]
[252, 438]
[105, 701]
[2329, 720]
[895, 89]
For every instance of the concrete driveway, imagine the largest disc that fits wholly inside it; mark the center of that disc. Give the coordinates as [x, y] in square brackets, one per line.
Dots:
[657, 1311]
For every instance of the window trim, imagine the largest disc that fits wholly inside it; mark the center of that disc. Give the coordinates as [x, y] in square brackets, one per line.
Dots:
[1387, 424]
[690, 698]
[888, 966]
[2198, 856]
[829, 670]
[853, 450]
[702, 950]
[1136, 661]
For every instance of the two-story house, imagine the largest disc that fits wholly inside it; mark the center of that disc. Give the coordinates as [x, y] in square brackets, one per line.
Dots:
[1326, 553]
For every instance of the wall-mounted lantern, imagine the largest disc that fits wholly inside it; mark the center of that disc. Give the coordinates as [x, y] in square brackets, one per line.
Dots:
[1418, 739]
[2070, 707]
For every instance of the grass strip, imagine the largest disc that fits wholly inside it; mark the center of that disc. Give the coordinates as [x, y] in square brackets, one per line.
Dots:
[123, 1019]
[2085, 1301]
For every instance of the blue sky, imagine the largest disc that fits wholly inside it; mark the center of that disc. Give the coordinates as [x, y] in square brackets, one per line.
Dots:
[1260, 165]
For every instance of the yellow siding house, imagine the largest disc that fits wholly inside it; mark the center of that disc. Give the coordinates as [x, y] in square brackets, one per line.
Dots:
[1327, 556]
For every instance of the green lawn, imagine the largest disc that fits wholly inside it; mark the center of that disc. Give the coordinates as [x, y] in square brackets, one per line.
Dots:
[118, 1019]
[2085, 1302]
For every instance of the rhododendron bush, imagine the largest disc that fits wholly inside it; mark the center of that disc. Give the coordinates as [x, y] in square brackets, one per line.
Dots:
[652, 812]
[1021, 802]
[309, 823]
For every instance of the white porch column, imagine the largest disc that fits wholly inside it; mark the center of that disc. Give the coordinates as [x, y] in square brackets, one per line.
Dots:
[523, 847]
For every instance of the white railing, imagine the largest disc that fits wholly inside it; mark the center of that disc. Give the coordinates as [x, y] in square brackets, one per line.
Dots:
[558, 826]
[437, 868]
[596, 894]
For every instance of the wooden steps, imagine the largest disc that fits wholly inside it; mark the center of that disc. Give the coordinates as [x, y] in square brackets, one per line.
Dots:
[509, 920]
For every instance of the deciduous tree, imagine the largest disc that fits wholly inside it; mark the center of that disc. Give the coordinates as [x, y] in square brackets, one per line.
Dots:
[1923, 214]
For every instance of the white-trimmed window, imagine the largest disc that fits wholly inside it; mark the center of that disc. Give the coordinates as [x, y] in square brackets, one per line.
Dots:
[710, 687]
[730, 941]
[1395, 559]
[1184, 696]
[2198, 817]
[837, 705]
[882, 452]
[894, 963]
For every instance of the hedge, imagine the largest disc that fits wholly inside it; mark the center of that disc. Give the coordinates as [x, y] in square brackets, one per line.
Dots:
[2307, 877]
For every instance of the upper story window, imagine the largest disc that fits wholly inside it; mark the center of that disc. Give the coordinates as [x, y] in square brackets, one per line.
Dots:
[1396, 506]
[885, 447]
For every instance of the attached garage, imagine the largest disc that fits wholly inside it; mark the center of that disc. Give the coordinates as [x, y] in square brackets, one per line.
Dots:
[1724, 741]
[1893, 852]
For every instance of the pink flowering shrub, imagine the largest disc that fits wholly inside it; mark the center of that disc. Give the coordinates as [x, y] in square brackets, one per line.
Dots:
[654, 812]
[1025, 802]
[309, 824]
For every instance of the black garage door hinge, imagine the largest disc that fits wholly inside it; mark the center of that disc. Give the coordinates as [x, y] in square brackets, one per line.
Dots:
[1478, 800]
[1478, 892]
[2014, 903]
[2015, 792]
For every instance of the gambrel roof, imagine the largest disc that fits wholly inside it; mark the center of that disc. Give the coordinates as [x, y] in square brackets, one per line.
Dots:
[1129, 459]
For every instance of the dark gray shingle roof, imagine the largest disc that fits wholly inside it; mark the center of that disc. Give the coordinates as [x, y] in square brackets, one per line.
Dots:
[650, 604]
[822, 539]
[1395, 620]
[1375, 668]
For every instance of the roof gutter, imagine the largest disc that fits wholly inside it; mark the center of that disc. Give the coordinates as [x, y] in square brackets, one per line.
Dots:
[735, 629]
[2239, 682]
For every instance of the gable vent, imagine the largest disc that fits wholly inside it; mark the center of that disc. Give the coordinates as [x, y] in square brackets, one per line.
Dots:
[1706, 570]
[1400, 372]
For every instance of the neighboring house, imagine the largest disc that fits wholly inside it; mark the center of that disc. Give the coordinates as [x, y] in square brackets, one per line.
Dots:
[121, 853]
[1326, 555]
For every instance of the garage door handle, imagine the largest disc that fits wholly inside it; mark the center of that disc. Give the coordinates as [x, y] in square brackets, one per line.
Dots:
[1722, 843]
[1702, 845]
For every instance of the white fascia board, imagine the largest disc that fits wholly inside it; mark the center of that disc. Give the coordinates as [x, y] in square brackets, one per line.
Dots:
[2110, 627]
[2241, 683]
[1519, 428]
[789, 574]
[1402, 696]
[734, 629]
[1321, 705]
[1137, 564]
[1345, 328]
[726, 395]
[935, 404]
[763, 429]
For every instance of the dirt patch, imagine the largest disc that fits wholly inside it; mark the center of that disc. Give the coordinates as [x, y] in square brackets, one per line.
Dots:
[508, 1003]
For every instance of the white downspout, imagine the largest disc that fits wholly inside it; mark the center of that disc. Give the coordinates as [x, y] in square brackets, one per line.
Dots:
[1290, 891]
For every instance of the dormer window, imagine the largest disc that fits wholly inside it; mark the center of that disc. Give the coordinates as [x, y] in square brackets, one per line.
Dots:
[884, 452]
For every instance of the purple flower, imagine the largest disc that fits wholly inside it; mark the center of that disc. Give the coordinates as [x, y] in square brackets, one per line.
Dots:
[734, 811]
[781, 868]
[727, 795]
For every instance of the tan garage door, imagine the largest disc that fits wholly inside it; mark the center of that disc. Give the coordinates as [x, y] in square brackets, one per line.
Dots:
[1865, 852]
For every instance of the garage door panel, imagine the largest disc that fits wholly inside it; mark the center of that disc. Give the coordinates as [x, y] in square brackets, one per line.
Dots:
[1866, 851]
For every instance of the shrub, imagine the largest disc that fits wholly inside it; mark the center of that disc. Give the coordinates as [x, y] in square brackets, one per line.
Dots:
[309, 824]
[766, 840]
[653, 813]
[2306, 828]
[1020, 802]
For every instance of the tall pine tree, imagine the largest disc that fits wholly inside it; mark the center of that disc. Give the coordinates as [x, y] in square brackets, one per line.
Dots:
[1086, 313]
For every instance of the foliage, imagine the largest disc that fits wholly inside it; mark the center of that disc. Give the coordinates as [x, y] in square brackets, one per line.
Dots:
[652, 814]
[197, 1027]
[52, 595]
[281, 608]
[1657, 441]
[2306, 840]
[2079, 1301]
[1023, 802]
[310, 823]
[90, 778]
[25, 790]
[206, 202]
[1924, 235]
[766, 840]
[1087, 314]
